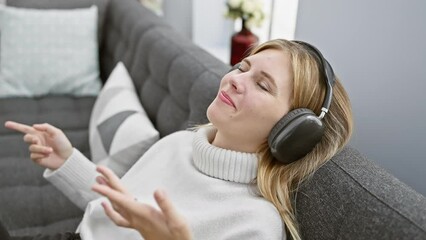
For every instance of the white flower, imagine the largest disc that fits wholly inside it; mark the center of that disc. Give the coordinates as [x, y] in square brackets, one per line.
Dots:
[248, 7]
[234, 3]
[251, 11]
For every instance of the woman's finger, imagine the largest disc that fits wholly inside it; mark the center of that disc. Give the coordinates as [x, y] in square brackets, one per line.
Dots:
[176, 223]
[31, 139]
[47, 128]
[19, 127]
[113, 195]
[165, 204]
[122, 201]
[39, 149]
[112, 179]
[37, 157]
[101, 180]
[115, 216]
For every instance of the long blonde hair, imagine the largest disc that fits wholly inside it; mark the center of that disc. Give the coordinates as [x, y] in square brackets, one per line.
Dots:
[278, 183]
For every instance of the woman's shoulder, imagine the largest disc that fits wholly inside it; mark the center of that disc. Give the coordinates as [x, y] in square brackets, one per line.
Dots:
[178, 138]
[178, 135]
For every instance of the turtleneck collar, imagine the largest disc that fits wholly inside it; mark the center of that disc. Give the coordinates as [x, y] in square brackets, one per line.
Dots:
[222, 163]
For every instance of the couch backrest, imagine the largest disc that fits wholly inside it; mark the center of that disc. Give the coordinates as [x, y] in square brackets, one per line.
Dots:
[176, 80]
[352, 198]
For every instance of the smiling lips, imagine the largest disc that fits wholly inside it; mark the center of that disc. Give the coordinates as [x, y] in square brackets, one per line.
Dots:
[226, 99]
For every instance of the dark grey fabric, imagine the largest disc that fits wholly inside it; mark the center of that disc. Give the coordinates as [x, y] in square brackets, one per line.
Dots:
[28, 204]
[352, 198]
[57, 236]
[4, 234]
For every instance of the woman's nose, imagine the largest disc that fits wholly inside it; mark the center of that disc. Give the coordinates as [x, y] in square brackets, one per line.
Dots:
[237, 84]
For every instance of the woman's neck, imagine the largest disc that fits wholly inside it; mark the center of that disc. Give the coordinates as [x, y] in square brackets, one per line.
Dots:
[221, 163]
[239, 144]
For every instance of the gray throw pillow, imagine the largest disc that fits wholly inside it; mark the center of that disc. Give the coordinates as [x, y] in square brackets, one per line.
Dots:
[48, 52]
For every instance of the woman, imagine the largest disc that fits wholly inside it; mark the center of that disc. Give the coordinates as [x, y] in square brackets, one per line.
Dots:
[224, 178]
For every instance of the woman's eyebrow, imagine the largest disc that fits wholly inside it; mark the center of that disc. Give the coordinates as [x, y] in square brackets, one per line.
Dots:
[246, 61]
[269, 78]
[264, 74]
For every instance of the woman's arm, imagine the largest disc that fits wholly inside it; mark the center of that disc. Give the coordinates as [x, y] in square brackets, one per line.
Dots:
[126, 212]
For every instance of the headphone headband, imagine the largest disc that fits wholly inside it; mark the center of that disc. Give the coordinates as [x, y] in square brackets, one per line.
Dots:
[328, 75]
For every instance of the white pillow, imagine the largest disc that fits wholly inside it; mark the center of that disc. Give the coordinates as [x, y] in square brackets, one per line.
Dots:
[48, 51]
[120, 131]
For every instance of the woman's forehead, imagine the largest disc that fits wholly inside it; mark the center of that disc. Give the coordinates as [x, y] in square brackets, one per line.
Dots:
[269, 55]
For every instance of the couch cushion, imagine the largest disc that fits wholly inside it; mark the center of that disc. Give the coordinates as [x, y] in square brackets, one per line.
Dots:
[352, 198]
[49, 52]
[21, 181]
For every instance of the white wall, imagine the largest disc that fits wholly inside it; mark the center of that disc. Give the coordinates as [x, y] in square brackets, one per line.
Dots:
[211, 30]
[204, 22]
[178, 13]
[209, 25]
[378, 50]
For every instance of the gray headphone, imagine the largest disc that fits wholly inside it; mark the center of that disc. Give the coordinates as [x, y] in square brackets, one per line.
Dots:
[297, 133]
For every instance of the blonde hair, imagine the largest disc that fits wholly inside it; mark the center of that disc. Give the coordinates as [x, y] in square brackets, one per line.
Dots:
[278, 182]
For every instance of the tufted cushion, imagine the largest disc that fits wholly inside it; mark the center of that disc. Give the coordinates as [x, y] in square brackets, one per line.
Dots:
[352, 198]
[29, 204]
[176, 80]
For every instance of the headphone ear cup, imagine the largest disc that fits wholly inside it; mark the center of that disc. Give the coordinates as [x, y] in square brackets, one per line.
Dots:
[295, 135]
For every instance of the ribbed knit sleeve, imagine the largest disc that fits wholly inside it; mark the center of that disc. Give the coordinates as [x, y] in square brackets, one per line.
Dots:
[75, 179]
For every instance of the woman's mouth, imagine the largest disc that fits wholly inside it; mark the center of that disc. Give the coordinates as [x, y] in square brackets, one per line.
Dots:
[226, 99]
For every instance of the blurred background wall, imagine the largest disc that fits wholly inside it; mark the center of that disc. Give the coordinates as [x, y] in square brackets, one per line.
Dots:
[378, 50]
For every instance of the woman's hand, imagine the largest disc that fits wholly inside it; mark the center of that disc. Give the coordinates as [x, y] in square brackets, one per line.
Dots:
[49, 147]
[126, 212]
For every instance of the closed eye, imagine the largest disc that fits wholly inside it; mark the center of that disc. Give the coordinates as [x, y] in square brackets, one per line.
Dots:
[243, 66]
[263, 86]
[240, 68]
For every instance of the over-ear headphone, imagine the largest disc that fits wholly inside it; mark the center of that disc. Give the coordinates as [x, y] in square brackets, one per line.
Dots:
[297, 133]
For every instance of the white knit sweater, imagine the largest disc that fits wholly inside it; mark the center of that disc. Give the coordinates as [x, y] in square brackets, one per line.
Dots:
[208, 185]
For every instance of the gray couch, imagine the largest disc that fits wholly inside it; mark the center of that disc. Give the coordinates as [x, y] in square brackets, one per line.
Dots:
[348, 198]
